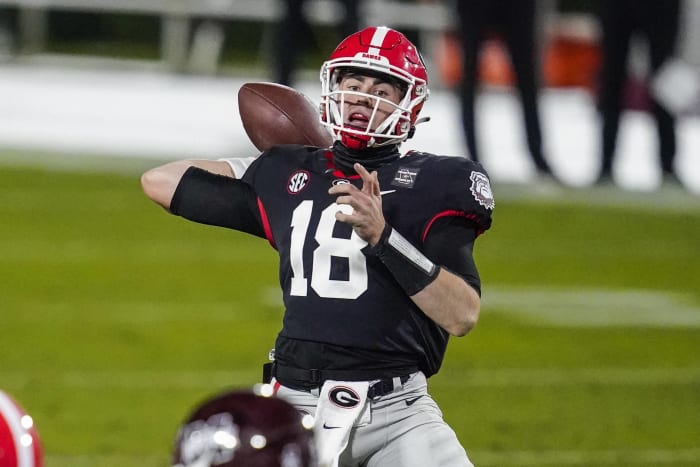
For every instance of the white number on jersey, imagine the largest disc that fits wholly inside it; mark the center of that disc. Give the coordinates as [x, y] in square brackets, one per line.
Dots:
[328, 247]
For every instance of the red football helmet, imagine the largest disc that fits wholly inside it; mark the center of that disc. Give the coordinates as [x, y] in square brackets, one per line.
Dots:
[374, 50]
[19, 442]
[243, 429]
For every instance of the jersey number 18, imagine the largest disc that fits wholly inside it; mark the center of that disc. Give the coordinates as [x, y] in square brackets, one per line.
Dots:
[328, 247]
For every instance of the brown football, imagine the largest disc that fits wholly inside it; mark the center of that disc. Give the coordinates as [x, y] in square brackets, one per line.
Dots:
[276, 114]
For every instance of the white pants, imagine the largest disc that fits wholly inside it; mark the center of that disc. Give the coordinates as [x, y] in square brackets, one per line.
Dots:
[404, 429]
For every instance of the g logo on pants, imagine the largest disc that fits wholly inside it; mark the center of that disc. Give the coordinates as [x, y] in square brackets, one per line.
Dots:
[344, 397]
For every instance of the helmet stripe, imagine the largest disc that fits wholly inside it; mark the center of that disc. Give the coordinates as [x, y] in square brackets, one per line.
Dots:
[13, 417]
[377, 39]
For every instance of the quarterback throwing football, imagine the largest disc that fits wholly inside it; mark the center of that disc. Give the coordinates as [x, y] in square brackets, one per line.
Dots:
[375, 251]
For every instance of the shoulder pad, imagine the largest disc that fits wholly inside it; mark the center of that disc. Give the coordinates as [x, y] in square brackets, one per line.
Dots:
[464, 186]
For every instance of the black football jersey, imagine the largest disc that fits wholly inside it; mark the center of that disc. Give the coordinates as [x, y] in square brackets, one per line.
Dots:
[333, 292]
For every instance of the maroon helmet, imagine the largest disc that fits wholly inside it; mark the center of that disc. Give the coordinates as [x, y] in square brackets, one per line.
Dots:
[19, 442]
[243, 429]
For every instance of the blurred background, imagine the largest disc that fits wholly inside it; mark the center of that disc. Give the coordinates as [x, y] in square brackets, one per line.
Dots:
[84, 76]
[116, 318]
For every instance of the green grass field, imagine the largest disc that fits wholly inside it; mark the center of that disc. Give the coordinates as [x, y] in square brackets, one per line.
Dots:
[117, 318]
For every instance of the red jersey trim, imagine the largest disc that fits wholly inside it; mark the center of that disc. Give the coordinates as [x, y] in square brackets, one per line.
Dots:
[337, 172]
[472, 217]
[266, 224]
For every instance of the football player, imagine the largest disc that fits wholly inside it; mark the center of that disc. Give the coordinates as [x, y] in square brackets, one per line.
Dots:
[375, 250]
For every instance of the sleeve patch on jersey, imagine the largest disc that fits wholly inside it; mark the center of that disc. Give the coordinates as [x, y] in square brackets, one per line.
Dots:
[481, 189]
[405, 177]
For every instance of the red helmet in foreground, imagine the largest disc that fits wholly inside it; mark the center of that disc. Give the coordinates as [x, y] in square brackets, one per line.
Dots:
[19, 442]
[243, 429]
[375, 51]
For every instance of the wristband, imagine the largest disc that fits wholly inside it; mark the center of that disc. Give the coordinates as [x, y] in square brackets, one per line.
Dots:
[411, 268]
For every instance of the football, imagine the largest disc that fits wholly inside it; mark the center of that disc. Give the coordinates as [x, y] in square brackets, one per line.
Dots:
[277, 114]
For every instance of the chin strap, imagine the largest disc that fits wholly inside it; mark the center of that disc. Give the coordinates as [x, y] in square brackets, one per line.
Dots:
[355, 142]
[412, 131]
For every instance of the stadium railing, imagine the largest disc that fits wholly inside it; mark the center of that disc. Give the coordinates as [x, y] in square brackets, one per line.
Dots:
[176, 19]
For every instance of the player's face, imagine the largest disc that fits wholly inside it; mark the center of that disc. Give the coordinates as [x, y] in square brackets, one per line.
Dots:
[358, 110]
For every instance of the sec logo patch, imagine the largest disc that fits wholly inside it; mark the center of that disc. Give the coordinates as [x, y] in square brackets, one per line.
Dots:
[297, 181]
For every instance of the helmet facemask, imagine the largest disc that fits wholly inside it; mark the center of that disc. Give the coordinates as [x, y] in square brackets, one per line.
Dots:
[398, 124]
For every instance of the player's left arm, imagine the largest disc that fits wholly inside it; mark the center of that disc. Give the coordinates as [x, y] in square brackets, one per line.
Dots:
[442, 295]
[450, 302]
[453, 299]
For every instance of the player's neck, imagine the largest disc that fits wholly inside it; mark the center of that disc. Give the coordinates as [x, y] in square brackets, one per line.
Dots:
[371, 158]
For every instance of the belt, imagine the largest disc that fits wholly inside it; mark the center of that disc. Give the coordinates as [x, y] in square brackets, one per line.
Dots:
[385, 386]
[316, 378]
